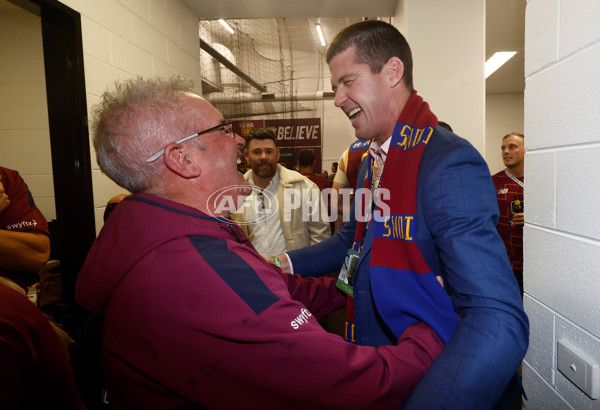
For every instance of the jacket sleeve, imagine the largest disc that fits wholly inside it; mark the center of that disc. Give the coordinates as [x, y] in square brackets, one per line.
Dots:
[324, 257]
[320, 295]
[460, 209]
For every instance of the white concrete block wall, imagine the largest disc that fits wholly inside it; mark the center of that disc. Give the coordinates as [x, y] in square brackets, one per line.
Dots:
[126, 38]
[577, 29]
[24, 133]
[562, 232]
[450, 78]
[541, 168]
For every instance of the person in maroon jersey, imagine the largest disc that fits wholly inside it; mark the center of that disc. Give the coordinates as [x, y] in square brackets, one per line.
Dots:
[509, 185]
[24, 234]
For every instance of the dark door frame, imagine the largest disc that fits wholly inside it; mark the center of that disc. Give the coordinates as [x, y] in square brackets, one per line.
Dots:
[69, 142]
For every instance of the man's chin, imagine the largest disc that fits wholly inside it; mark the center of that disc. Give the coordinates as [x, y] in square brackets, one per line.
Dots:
[360, 134]
[265, 173]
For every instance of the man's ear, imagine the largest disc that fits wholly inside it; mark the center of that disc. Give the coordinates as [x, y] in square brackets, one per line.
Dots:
[178, 161]
[278, 154]
[394, 70]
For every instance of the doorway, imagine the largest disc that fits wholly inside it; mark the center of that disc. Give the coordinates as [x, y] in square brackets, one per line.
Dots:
[73, 231]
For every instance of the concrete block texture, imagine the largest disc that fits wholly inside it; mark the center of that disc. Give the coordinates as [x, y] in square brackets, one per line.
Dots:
[541, 32]
[541, 168]
[561, 271]
[577, 173]
[540, 395]
[578, 30]
[540, 354]
[559, 113]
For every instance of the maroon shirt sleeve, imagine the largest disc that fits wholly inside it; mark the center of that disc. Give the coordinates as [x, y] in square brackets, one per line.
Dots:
[320, 295]
[21, 215]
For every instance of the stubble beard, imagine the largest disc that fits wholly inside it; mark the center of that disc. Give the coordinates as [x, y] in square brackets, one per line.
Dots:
[265, 172]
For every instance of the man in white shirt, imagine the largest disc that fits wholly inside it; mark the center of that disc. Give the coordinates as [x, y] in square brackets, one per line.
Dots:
[285, 210]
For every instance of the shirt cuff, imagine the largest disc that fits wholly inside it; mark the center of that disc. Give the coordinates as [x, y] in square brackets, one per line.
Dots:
[290, 263]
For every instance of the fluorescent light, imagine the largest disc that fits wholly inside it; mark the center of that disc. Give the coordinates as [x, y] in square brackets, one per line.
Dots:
[227, 26]
[320, 33]
[497, 60]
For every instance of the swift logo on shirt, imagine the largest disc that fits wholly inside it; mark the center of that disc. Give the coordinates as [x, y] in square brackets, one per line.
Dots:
[302, 319]
[23, 224]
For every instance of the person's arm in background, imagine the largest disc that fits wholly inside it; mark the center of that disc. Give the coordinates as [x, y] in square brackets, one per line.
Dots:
[491, 337]
[21, 251]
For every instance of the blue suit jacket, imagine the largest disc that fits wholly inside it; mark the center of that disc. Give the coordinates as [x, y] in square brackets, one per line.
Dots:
[456, 221]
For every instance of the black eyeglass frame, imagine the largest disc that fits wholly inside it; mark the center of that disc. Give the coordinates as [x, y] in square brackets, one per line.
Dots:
[225, 123]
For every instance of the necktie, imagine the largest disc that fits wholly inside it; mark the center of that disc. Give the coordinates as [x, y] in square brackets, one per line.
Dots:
[377, 169]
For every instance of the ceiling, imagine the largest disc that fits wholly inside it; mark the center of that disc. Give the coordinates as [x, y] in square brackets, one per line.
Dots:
[505, 26]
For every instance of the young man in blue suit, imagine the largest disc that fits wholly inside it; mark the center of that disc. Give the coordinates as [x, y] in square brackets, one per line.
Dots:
[431, 219]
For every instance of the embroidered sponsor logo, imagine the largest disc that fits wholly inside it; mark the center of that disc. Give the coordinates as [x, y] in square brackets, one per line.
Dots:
[503, 191]
[360, 144]
[21, 225]
[301, 319]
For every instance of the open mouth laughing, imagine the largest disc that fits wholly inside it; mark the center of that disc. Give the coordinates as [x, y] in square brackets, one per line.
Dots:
[354, 113]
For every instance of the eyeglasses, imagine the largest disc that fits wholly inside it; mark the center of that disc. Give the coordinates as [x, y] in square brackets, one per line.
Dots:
[225, 126]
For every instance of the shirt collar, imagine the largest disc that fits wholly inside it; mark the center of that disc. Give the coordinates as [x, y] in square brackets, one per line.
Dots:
[374, 147]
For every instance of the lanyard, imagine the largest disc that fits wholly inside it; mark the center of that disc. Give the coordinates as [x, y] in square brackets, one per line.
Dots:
[514, 179]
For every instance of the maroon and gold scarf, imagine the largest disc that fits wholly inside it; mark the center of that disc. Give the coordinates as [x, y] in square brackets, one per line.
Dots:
[404, 288]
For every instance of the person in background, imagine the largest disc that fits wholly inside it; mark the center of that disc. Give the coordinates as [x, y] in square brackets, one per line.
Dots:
[194, 315]
[344, 182]
[334, 168]
[272, 229]
[24, 234]
[306, 167]
[509, 184]
[35, 372]
[241, 159]
[436, 223]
